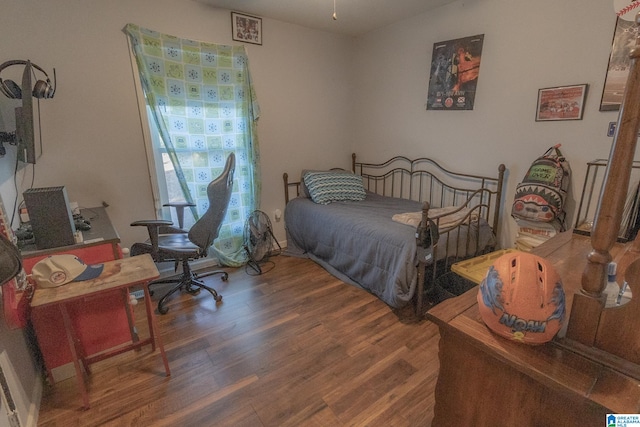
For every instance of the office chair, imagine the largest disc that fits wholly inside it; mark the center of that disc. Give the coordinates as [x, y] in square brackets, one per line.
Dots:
[168, 243]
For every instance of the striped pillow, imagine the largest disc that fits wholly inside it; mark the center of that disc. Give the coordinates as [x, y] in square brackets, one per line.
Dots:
[327, 187]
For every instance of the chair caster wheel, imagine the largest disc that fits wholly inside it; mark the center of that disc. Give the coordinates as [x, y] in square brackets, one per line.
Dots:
[163, 310]
[225, 277]
[218, 298]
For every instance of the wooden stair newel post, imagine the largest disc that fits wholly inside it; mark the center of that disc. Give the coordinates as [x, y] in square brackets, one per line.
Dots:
[588, 305]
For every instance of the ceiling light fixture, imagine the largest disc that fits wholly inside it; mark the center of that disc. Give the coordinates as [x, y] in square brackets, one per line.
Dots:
[334, 11]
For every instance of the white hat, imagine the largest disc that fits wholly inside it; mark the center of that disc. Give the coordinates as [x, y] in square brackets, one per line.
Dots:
[57, 270]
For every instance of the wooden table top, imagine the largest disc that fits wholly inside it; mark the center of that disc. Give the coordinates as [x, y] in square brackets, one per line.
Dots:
[119, 273]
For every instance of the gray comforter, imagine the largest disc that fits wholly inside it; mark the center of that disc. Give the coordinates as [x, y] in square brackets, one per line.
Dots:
[359, 243]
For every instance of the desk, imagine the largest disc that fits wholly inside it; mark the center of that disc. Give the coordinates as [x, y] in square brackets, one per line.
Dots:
[486, 380]
[116, 275]
[101, 322]
[100, 243]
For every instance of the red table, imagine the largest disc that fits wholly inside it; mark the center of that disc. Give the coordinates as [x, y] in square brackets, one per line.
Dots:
[119, 274]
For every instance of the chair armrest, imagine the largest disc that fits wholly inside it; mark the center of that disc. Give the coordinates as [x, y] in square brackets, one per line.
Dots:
[179, 206]
[163, 226]
[152, 222]
[153, 226]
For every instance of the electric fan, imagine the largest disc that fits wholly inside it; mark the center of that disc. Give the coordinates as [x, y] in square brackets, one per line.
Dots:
[259, 240]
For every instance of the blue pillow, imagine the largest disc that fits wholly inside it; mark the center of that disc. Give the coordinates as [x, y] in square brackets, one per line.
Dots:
[327, 187]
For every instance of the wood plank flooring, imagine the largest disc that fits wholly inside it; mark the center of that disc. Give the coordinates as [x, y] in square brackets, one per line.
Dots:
[291, 347]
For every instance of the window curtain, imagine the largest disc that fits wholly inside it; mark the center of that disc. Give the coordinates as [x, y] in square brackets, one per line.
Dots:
[204, 105]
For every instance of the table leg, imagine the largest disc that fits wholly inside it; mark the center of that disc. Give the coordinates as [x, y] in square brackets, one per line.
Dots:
[74, 353]
[153, 329]
[130, 315]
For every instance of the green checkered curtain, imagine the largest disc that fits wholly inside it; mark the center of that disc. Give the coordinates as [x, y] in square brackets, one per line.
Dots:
[204, 106]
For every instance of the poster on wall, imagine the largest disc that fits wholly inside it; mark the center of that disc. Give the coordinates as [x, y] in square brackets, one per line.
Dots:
[245, 28]
[561, 103]
[455, 66]
[624, 39]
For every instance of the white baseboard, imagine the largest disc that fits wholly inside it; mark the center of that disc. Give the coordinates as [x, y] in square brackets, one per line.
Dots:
[166, 269]
[25, 408]
[34, 408]
[63, 372]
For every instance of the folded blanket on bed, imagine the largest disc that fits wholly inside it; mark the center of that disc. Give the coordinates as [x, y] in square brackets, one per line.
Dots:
[446, 219]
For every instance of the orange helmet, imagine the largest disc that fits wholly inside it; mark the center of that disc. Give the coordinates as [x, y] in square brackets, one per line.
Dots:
[521, 298]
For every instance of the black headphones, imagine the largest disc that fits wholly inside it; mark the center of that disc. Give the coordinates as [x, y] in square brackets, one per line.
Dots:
[42, 89]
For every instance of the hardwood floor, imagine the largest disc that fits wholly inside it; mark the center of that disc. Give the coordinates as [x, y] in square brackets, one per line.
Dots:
[292, 347]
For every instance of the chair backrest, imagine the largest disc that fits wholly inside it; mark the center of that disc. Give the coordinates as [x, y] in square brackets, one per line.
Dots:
[206, 229]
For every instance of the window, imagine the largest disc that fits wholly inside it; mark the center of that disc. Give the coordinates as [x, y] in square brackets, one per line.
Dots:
[201, 106]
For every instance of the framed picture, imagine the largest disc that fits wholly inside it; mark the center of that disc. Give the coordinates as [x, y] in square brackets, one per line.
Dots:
[453, 77]
[246, 28]
[561, 103]
[624, 39]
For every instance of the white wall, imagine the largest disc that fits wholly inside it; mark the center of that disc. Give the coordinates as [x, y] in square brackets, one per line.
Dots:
[527, 46]
[322, 96]
[92, 130]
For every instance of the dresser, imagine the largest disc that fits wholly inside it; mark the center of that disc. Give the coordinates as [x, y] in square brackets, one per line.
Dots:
[487, 380]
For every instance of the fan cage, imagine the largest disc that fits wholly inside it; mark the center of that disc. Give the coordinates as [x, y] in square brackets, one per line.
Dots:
[259, 241]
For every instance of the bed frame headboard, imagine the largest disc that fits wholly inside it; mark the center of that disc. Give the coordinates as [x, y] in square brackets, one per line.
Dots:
[424, 180]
